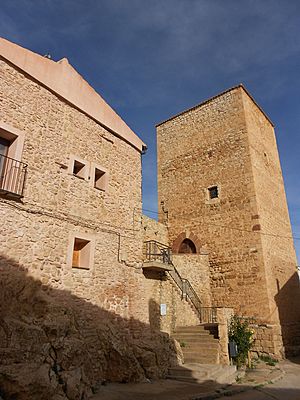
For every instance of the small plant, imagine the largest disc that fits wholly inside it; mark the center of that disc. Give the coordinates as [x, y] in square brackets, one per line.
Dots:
[182, 344]
[268, 360]
[242, 335]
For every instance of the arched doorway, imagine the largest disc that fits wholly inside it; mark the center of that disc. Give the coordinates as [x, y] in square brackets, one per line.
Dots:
[186, 243]
[187, 247]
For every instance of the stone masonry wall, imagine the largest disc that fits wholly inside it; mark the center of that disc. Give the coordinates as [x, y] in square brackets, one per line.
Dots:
[200, 148]
[216, 144]
[50, 312]
[275, 229]
[57, 204]
[154, 230]
[195, 268]
[162, 290]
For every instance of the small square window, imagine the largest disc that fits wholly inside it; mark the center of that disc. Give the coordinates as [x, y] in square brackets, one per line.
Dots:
[81, 256]
[79, 169]
[213, 192]
[100, 179]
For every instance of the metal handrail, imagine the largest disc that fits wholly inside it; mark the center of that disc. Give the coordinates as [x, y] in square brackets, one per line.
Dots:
[159, 251]
[156, 251]
[12, 176]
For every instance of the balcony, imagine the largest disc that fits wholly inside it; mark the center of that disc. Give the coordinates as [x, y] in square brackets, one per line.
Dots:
[157, 256]
[12, 177]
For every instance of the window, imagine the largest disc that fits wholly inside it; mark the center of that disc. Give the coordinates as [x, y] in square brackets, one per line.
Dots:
[4, 146]
[79, 168]
[99, 177]
[12, 170]
[89, 171]
[213, 192]
[81, 253]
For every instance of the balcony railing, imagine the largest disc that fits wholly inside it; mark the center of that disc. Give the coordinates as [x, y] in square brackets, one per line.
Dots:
[12, 176]
[155, 251]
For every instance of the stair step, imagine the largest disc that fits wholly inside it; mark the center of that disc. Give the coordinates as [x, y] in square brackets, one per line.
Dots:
[198, 345]
[188, 372]
[199, 349]
[192, 334]
[189, 379]
[202, 360]
[202, 352]
[198, 342]
[191, 331]
[207, 341]
[198, 373]
[188, 328]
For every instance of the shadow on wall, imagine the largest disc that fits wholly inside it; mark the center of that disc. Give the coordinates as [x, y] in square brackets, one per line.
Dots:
[288, 303]
[54, 345]
[154, 315]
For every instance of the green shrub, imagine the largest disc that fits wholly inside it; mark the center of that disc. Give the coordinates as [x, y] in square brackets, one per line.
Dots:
[242, 335]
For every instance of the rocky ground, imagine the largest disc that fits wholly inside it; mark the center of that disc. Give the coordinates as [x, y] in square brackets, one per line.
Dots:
[54, 345]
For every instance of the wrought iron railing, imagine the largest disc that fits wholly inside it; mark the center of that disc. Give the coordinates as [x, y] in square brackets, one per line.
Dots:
[205, 314]
[155, 251]
[12, 176]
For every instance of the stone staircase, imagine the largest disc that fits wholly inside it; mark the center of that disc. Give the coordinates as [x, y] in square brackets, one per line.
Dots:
[198, 344]
[201, 356]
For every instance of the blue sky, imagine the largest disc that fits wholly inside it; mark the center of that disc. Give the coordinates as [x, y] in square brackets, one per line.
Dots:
[151, 59]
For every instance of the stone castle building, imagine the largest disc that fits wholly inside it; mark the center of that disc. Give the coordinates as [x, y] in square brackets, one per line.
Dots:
[220, 186]
[90, 288]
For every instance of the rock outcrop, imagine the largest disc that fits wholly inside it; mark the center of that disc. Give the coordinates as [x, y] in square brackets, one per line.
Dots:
[54, 345]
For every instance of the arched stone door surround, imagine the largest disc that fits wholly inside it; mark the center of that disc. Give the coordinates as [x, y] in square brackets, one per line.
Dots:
[186, 244]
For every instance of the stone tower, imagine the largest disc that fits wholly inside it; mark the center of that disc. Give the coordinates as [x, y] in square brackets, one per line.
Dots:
[221, 188]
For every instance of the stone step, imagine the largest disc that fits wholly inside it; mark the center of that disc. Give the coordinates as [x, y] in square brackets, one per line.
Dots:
[202, 359]
[205, 340]
[187, 351]
[196, 348]
[197, 344]
[192, 329]
[195, 370]
[198, 328]
[183, 378]
[192, 335]
[198, 373]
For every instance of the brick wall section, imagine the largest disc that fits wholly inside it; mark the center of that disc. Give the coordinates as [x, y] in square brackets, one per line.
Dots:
[211, 145]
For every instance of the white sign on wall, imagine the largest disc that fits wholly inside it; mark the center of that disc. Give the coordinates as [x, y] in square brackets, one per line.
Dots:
[163, 309]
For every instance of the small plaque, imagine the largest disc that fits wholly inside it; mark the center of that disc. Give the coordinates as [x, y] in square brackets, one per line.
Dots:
[163, 309]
